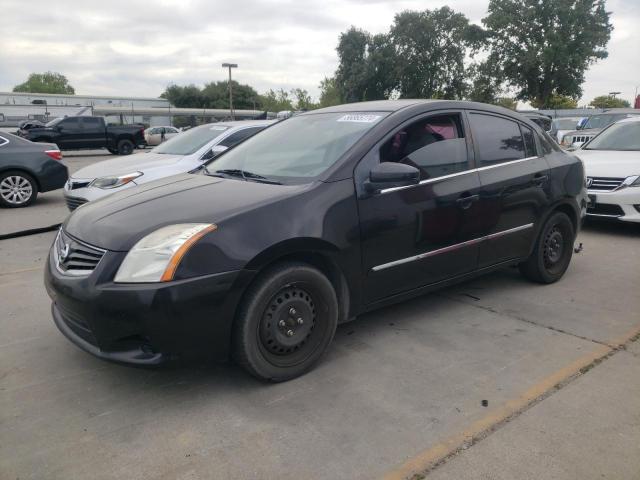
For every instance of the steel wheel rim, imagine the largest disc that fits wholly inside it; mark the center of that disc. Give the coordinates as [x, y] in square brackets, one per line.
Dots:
[553, 247]
[16, 190]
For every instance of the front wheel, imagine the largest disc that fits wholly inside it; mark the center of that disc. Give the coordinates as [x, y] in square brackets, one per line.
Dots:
[552, 252]
[285, 322]
[17, 189]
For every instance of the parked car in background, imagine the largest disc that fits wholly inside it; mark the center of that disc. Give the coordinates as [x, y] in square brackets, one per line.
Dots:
[563, 125]
[156, 135]
[612, 164]
[27, 168]
[315, 220]
[82, 132]
[595, 124]
[26, 125]
[182, 153]
[540, 119]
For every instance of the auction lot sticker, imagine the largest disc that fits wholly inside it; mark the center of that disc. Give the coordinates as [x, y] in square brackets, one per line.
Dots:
[357, 118]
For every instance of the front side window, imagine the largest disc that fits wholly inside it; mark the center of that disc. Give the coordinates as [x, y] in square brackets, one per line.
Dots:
[90, 122]
[498, 140]
[435, 145]
[299, 148]
[191, 141]
[622, 136]
[239, 136]
[71, 124]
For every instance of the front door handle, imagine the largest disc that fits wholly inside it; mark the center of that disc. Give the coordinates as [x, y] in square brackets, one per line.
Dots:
[466, 201]
[540, 179]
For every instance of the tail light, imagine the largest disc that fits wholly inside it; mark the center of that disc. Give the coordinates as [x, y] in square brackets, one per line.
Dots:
[55, 154]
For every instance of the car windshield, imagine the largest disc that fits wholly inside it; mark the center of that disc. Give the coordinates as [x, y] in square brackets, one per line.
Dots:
[565, 123]
[54, 122]
[622, 136]
[299, 148]
[602, 121]
[191, 141]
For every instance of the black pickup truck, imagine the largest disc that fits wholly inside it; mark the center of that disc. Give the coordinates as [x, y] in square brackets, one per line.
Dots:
[77, 133]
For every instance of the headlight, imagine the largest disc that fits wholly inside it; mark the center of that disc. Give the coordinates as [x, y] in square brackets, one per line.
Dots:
[155, 258]
[115, 181]
[636, 182]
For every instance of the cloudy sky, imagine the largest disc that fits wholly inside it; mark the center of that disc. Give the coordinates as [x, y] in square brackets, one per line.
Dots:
[131, 47]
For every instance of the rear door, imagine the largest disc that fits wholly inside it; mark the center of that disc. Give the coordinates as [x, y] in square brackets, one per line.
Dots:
[93, 133]
[421, 234]
[515, 186]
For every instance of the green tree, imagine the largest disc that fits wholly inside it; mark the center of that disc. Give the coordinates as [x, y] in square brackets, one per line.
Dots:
[430, 52]
[556, 101]
[216, 95]
[486, 83]
[607, 101]
[302, 99]
[506, 102]
[351, 76]
[275, 101]
[329, 93]
[544, 47]
[47, 82]
[188, 96]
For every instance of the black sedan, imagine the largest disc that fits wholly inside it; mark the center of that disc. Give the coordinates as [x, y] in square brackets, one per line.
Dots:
[310, 223]
[27, 168]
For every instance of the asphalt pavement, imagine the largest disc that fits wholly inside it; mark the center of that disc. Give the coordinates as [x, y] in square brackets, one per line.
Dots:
[497, 378]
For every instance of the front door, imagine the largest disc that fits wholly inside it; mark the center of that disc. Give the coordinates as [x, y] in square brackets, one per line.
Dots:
[421, 234]
[70, 132]
[93, 132]
[515, 186]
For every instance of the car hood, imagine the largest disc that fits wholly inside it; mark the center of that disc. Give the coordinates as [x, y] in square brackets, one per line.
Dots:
[140, 162]
[609, 163]
[116, 222]
[587, 131]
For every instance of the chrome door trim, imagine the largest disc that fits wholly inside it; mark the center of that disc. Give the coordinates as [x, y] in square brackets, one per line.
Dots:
[450, 248]
[451, 175]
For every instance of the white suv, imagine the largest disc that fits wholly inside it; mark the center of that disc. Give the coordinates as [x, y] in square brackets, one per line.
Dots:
[612, 165]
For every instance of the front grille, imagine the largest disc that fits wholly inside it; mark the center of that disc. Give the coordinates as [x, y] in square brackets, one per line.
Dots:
[605, 209]
[581, 138]
[74, 202]
[74, 257]
[603, 184]
[74, 185]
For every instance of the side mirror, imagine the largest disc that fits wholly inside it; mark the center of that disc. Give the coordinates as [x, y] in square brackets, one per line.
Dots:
[390, 174]
[214, 152]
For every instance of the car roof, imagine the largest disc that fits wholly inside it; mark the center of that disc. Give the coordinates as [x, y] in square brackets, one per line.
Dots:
[244, 123]
[634, 118]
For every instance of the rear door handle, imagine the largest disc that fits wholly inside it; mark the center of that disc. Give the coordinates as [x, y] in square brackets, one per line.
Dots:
[466, 201]
[540, 179]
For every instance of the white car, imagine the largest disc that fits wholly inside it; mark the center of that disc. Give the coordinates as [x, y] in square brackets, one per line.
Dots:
[183, 153]
[612, 166]
[154, 135]
[563, 125]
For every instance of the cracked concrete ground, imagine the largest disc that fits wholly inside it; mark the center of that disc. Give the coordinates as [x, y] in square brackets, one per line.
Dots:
[398, 385]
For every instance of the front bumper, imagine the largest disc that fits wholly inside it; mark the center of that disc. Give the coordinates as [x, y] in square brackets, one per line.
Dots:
[621, 204]
[145, 324]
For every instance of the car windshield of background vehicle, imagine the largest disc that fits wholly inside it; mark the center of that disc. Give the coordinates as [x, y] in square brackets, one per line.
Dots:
[54, 122]
[298, 148]
[623, 136]
[565, 123]
[191, 141]
[601, 121]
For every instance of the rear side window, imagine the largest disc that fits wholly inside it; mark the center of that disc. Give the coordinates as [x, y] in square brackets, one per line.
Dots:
[70, 124]
[90, 122]
[434, 145]
[238, 137]
[497, 139]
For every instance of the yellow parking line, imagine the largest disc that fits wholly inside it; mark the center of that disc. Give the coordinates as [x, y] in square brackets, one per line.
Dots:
[430, 457]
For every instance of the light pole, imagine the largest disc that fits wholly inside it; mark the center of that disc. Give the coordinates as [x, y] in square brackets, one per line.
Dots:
[230, 66]
[613, 94]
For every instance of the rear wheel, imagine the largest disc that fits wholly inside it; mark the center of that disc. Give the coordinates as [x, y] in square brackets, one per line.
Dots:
[285, 323]
[125, 147]
[17, 189]
[553, 250]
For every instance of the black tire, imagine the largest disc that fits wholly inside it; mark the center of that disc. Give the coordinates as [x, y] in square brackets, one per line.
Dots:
[285, 322]
[125, 147]
[114, 151]
[17, 189]
[552, 252]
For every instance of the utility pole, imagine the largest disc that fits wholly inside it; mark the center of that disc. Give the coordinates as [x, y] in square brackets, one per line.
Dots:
[230, 66]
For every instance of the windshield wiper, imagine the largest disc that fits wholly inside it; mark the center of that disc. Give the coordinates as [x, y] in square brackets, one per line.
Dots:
[236, 172]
